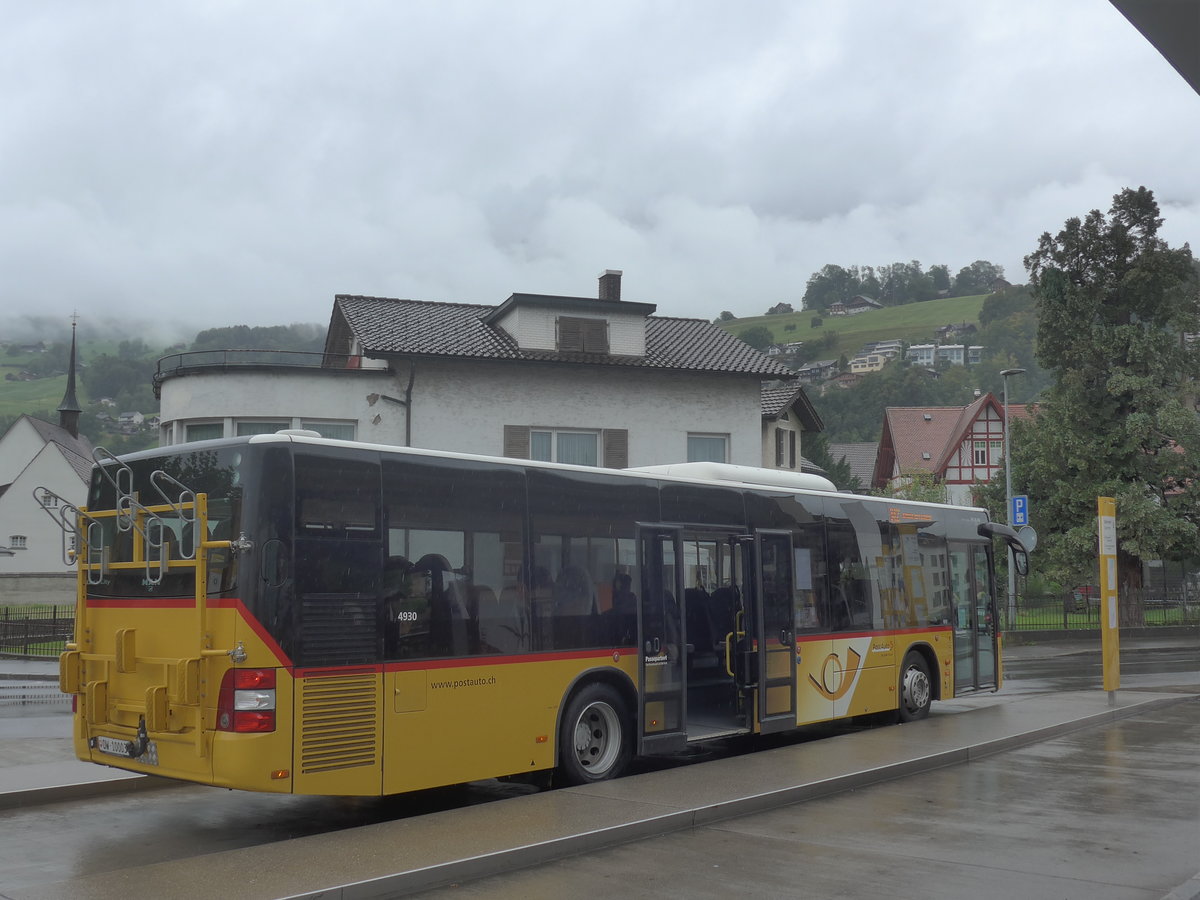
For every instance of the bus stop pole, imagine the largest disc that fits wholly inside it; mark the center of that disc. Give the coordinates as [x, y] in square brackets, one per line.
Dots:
[1109, 631]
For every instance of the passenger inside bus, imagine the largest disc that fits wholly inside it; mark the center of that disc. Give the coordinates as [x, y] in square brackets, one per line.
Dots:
[573, 593]
[622, 615]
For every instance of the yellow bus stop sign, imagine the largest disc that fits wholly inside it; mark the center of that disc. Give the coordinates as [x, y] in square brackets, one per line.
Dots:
[1109, 632]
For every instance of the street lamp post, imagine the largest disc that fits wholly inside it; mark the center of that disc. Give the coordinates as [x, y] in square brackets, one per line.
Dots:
[1012, 573]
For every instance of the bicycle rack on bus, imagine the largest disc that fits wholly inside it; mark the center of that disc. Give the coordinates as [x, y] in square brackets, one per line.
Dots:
[129, 510]
[67, 519]
[184, 508]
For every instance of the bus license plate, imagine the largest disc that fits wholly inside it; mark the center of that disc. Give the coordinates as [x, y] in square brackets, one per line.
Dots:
[113, 745]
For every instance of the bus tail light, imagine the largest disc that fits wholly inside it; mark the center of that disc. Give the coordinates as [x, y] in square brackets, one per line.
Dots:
[246, 704]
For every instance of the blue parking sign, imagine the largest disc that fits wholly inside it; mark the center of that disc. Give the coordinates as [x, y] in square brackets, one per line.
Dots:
[1018, 512]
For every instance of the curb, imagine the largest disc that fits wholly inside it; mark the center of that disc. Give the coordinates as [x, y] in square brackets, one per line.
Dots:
[83, 790]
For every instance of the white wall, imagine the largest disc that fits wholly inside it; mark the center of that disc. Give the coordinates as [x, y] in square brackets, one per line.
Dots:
[534, 327]
[341, 395]
[18, 446]
[791, 423]
[459, 406]
[20, 513]
[464, 405]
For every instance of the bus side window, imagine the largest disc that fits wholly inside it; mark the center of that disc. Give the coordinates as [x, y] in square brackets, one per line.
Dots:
[850, 587]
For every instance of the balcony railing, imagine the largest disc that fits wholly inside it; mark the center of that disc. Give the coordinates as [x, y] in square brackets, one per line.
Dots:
[196, 360]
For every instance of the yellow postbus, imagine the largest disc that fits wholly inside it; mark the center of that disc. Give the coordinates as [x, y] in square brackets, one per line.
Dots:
[298, 615]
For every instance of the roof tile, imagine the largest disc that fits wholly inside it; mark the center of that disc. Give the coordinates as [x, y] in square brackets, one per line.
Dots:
[386, 326]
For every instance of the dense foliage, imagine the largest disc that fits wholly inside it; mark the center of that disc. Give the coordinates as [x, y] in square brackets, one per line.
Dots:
[1119, 418]
[297, 336]
[898, 283]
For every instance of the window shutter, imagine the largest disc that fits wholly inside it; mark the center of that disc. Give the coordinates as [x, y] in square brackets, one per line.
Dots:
[595, 336]
[516, 441]
[616, 448]
[576, 335]
[791, 449]
[779, 448]
[570, 334]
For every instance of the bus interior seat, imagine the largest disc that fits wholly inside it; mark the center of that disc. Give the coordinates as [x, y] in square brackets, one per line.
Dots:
[701, 634]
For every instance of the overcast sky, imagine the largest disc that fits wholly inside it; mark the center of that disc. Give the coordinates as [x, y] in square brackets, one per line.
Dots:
[217, 163]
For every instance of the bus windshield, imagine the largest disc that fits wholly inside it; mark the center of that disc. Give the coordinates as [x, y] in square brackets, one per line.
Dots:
[215, 472]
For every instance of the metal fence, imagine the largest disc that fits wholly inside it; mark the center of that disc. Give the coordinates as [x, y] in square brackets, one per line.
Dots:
[16, 695]
[1075, 612]
[35, 631]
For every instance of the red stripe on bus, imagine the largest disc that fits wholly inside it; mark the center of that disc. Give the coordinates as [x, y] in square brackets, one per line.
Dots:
[894, 632]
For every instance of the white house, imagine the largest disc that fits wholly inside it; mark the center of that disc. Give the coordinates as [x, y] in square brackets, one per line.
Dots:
[955, 354]
[787, 414]
[41, 466]
[597, 381]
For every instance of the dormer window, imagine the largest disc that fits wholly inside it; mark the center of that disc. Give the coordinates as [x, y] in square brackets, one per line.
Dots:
[579, 335]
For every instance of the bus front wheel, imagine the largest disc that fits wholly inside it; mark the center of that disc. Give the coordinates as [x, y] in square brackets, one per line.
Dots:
[595, 741]
[916, 688]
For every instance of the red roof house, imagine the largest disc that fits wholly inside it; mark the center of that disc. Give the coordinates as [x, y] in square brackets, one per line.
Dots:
[959, 446]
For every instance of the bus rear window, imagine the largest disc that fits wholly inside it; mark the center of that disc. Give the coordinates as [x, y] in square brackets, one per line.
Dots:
[126, 539]
[336, 498]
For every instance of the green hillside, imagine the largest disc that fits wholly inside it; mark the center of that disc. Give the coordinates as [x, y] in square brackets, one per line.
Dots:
[34, 397]
[913, 323]
[41, 396]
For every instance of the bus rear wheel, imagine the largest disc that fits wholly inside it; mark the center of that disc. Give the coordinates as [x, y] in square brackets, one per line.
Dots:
[595, 741]
[916, 688]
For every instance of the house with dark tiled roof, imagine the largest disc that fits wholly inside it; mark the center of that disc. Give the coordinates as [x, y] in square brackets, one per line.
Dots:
[860, 457]
[958, 446]
[593, 380]
[787, 414]
[42, 467]
[859, 303]
[817, 370]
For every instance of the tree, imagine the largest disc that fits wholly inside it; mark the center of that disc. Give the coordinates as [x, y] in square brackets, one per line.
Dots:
[940, 276]
[905, 283]
[816, 450]
[112, 376]
[297, 336]
[779, 309]
[1119, 418]
[920, 486]
[979, 277]
[758, 336]
[725, 316]
[832, 284]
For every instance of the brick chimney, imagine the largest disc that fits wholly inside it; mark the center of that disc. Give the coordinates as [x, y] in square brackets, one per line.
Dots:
[610, 285]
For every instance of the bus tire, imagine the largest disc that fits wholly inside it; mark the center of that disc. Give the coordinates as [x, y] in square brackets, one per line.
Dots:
[595, 742]
[916, 688]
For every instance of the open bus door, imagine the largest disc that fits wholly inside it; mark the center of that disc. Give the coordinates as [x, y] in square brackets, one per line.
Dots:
[774, 631]
[661, 638]
[976, 641]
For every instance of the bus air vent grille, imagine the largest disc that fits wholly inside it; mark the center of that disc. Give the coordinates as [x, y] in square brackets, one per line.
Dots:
[339, 722]
[338, 630]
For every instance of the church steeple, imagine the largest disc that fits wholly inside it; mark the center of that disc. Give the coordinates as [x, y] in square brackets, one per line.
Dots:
[69, 410]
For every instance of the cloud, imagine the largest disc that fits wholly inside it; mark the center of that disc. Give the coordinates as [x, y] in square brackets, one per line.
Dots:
[220, 163]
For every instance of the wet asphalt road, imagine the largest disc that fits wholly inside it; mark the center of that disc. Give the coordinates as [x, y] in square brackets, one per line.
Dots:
[67, 840]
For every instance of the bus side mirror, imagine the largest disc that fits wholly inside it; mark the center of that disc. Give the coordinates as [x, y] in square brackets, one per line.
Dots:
[1021, 560]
